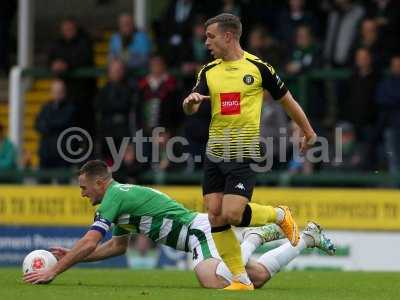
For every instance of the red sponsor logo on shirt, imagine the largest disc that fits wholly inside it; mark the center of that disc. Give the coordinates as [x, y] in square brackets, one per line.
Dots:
[230, 103]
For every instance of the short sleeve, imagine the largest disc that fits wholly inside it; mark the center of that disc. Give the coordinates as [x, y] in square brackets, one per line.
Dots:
[272, 82]
[270, 79]
[201, 86]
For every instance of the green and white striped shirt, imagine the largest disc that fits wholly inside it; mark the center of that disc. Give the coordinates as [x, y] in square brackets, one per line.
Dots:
[138, 209]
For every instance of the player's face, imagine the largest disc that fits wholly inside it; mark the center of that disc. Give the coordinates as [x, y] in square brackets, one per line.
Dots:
[91, 188]
[216, 41]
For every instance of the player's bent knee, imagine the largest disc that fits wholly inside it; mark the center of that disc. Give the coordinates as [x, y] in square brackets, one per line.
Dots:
[261, 279]
[206, 274]
[258, 274]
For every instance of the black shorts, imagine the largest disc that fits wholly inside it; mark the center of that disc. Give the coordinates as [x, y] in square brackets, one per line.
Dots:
[228, 177]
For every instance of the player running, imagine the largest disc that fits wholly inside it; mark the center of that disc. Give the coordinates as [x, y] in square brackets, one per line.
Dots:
[144, 210]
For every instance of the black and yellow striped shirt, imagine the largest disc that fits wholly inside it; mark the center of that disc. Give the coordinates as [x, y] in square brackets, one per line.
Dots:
[236, 90]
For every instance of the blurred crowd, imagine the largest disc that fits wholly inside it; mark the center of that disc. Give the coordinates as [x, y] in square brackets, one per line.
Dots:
[150, 71]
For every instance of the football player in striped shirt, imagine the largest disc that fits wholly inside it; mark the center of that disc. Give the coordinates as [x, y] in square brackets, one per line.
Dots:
[137, 209]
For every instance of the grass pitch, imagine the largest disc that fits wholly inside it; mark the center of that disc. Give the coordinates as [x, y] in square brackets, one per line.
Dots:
[107, 284]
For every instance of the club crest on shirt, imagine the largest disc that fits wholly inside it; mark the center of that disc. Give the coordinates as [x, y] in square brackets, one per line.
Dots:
[248, 79]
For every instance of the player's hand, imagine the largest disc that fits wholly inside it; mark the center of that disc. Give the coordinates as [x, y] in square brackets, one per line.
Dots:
[39, 277]
[195, 98]
[307, 142]
[59, 252]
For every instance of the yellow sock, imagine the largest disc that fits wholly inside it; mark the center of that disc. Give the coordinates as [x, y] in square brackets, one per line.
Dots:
[262, 214]
[229, 249]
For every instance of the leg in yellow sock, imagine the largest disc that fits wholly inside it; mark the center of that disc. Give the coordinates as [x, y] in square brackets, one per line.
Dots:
[229, 248]
[262, 214]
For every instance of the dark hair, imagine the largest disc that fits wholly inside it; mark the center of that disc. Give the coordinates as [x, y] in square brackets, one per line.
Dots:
[95, 168]
[227, 22]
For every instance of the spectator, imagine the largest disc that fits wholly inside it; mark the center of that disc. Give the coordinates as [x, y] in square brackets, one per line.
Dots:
[131, 167]
[388, 100]
[369, 39]
[157, 103]
[292, 17]
[305, 53]
[263, 45]
[359, 108]
[71, 51]
[386, 13]
[194, 55]
[196, 132]
[114, 104]
[304, 57]
[352, 154]
[176, 28]
[342, 32]
[54, 117]
[8, 155]
[131, 45]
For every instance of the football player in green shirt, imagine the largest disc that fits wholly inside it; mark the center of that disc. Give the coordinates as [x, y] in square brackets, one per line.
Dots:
[132, 208]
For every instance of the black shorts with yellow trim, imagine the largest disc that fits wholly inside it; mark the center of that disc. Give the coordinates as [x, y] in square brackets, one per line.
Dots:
[228, 177]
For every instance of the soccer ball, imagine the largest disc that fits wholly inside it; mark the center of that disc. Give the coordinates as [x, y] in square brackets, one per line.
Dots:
[38, 260]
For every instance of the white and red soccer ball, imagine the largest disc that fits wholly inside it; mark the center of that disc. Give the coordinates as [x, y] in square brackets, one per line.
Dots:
[38, 260]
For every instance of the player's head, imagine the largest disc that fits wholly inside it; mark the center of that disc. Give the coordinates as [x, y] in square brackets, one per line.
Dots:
[94, 177]
[222, 32]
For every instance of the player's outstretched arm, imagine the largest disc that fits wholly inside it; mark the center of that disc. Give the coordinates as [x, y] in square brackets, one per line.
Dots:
[192, 103]
[114, 247]
[84, 247]
[296, 113]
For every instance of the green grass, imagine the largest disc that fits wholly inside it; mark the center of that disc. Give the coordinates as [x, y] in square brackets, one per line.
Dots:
[107, 284]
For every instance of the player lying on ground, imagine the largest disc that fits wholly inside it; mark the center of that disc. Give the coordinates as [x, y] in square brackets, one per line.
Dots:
[150, 212]
[212, 272]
